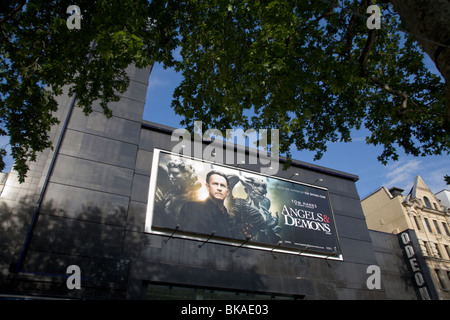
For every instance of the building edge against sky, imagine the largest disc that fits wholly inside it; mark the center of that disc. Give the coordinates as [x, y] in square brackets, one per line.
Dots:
[85, 204]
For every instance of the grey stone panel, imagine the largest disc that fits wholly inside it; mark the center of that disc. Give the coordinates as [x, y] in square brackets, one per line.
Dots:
[259, 264]
[172, 273]
[140, 188]
[135, 91]
[348, 206]
[144, 162]
[53, 264]
[125, 108]
[92, 175]
[83, 204]
[100, 149]
[113, 128]
[75, 237]
[154, 139]
[353, 228]
[15, 221]
[45, 274]
[136, 215]
[352, 294]
[138, 75]
[357, 251]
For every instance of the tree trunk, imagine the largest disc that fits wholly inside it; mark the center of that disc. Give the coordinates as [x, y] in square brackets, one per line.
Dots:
[429, 21]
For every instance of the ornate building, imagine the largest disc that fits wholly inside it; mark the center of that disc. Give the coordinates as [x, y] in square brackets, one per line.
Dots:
[388, 210]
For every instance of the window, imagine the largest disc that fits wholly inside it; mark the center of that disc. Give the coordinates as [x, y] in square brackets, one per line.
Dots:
[428, 249]
[428, 225]
[417, 221]
[437, 226]
[427, 202]
[439, 277]
[447, 250]
[438, 250]
[444, 224]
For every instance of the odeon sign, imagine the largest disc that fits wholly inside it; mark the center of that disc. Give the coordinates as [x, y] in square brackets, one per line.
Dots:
[417, 266]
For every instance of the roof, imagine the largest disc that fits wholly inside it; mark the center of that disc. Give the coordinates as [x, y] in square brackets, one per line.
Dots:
[296, 163]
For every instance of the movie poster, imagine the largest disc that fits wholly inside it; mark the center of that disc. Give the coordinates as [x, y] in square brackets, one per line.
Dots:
[195, 198]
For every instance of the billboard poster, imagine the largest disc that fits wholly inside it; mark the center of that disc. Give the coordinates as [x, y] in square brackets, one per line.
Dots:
[197, 199]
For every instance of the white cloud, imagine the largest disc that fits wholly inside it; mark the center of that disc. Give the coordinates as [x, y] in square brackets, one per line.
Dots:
[157, 82]
[435, 173]
[432, 170]
[401, 174]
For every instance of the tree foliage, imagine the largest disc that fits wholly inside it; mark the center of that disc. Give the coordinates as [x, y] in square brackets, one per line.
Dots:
[312, 69]
[39, 55]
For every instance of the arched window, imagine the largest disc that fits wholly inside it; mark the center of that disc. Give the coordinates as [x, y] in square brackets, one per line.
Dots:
[427, 202]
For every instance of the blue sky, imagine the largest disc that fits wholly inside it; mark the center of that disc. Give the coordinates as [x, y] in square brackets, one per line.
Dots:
[355, 157]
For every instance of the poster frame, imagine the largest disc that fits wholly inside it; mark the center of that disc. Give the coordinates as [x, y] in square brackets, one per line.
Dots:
[231, 242]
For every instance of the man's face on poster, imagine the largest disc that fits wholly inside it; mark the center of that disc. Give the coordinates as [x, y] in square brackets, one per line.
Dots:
[217, 187]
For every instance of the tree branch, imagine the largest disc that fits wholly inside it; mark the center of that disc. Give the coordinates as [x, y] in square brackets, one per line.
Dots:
[351, 31]
[364, 73]
[324, 15]
[388, 89]
[384, 86]
[365, 52]
[426, 22]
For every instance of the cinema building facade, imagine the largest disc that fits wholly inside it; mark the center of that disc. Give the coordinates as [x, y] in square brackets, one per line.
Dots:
[108, 201]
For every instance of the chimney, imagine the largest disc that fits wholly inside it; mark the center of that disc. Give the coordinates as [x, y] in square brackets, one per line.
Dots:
[396, 191]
